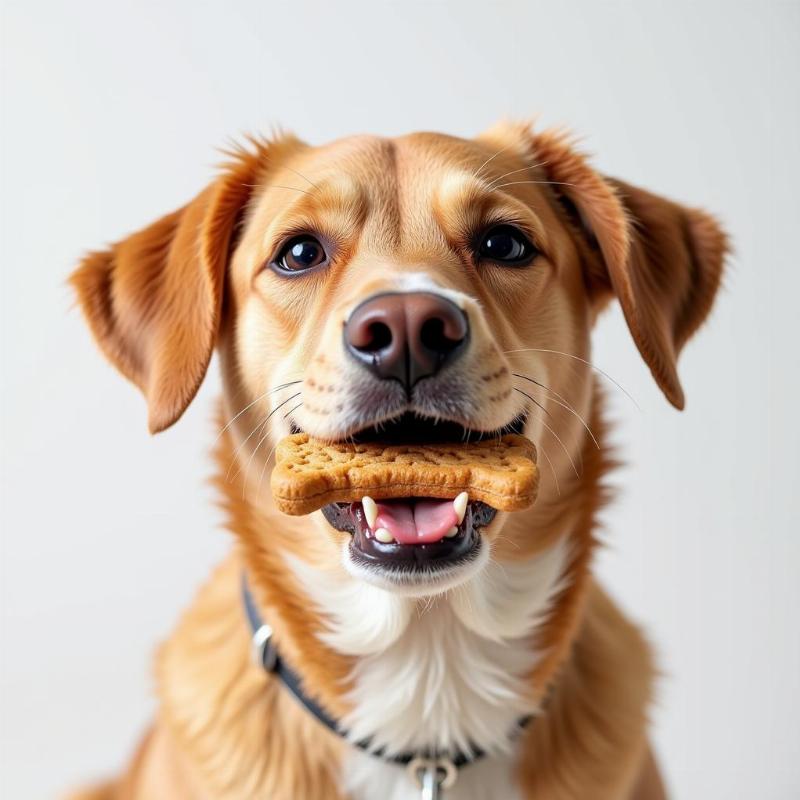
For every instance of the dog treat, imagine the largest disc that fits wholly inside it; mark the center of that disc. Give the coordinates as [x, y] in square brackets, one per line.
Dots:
[309, 473]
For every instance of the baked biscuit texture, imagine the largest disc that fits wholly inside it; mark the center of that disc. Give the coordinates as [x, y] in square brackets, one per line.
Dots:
[310, 473]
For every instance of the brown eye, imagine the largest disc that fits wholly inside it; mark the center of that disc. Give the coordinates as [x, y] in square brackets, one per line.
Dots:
[300, 253]
[508, 245]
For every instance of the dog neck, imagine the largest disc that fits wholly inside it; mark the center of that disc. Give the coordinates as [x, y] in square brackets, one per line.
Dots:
[442, 674]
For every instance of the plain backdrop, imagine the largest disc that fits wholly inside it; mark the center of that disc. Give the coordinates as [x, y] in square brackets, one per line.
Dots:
[111, 113]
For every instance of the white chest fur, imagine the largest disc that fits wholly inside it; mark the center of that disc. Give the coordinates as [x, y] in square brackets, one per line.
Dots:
[438, 673]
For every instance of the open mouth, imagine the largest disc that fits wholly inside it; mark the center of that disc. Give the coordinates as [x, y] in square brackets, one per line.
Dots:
[413, 533]
[416, 534]
[410, 428]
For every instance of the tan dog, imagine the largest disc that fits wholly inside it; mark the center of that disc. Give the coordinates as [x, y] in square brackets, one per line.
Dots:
[423, 287]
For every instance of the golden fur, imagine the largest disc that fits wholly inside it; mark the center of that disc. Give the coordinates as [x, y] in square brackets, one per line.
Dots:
[160, 301]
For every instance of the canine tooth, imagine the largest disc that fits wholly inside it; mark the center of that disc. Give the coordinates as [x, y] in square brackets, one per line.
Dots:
[460, 506]
[370, 510]
[382, 535]
[452, 532]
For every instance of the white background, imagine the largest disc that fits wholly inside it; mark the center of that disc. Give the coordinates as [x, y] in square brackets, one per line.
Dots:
[110, 116]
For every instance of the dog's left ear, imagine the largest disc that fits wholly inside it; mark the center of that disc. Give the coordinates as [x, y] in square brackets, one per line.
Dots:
[663, 261]
[153, 300]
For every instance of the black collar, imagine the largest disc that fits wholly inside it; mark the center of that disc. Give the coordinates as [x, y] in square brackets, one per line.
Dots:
[268, 657]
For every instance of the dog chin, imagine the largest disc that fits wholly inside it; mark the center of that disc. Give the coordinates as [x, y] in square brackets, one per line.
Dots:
[421, 581]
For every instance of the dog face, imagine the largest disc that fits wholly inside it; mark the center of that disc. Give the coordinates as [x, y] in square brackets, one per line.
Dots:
[424, 287]
[399, 308]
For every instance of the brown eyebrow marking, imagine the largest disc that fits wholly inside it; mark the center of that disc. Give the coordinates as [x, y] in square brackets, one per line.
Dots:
[462, 204]
[334, 207]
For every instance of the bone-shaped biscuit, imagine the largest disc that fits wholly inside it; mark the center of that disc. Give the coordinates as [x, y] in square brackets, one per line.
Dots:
[309, 473]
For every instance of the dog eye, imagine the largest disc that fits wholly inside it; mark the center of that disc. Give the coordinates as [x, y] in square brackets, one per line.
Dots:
[506, 244]
[301, 253]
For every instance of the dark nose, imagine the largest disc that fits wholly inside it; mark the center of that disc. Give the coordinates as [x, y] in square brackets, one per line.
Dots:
[406, 336]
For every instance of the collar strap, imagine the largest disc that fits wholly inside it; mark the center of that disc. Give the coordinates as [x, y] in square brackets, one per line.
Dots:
[267, 656]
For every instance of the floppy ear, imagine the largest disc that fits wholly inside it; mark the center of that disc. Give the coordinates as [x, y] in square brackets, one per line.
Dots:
[153, 300]
[662, 261]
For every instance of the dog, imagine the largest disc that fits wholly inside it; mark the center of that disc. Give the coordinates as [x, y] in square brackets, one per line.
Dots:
[425, 287]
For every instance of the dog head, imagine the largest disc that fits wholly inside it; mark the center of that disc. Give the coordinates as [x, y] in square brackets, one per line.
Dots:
[424, 286]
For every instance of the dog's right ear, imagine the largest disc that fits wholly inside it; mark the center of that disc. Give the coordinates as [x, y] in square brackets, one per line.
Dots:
[153, 300]
[663, 261]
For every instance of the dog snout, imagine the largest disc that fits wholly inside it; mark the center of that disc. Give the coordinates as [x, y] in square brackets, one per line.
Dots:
[406, 336]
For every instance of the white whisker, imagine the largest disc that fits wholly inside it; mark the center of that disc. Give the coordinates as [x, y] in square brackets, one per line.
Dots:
[552, 468]
[536, 402]
[577, 358]
[517, 183]
[300, 175]
[234, 459]
[275, 186]
[514, 172]
[250, 405]
[477, 173]
[563, 446]
[264, 437]
[267, 459]
[559, 402]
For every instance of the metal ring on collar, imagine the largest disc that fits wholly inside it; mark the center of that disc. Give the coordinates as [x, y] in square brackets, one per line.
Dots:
[443, 769]
[263, 654]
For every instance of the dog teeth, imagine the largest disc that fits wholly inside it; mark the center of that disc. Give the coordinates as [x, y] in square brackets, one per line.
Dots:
[382, 535]
[452, 532]
[460, 506]
[370, 511]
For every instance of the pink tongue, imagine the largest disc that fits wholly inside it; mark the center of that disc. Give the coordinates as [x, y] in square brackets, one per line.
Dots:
[416, 521]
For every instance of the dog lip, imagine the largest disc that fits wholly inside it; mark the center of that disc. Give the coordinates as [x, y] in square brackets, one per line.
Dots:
[427, 558]
[445, 553]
